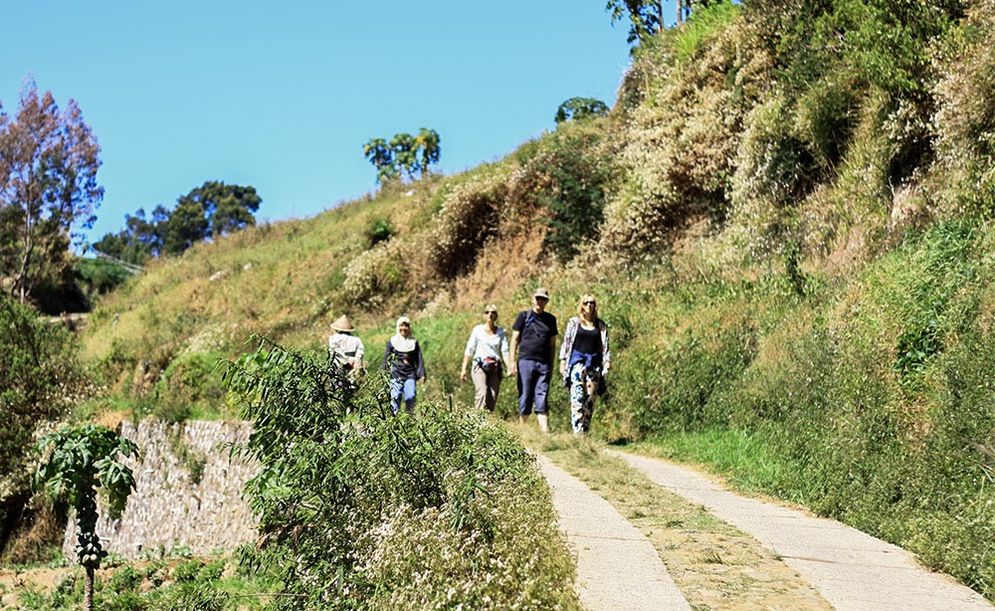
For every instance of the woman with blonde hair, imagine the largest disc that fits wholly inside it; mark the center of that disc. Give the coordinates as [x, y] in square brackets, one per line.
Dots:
[487, 346]
[584, 361]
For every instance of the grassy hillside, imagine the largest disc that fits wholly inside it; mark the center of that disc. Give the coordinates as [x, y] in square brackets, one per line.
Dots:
[786, 219]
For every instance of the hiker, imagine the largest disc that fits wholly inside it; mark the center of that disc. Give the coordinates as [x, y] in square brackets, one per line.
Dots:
[403, 359]
[487, 345]
[584, 362]
[345, 349]
[533, 350]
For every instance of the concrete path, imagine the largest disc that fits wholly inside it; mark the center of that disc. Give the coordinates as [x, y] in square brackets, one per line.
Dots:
[617, 567]
[851, 569]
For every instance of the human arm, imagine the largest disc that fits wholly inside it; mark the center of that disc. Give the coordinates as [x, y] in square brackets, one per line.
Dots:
[420, 370]
[505, 352]
[462, 370]
[606, 353]
[512, 366]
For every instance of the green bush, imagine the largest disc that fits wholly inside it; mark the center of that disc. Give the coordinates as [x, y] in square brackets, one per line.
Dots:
[379, 230]
[190, 383]
[363, 509]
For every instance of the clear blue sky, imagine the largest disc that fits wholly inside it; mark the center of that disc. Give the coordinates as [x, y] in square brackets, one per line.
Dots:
[282, 95]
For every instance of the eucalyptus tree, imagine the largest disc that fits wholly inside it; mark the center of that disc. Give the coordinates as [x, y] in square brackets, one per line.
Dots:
[76, 460]
[48, 186]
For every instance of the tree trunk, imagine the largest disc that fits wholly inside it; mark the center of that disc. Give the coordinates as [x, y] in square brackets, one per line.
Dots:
[680, 11]
[659, 14]
[88, 589]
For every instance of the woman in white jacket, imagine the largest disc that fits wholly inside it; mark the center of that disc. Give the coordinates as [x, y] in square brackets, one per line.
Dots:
[487, 347]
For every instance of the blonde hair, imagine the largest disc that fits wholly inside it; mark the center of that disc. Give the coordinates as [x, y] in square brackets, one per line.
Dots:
[580, 306]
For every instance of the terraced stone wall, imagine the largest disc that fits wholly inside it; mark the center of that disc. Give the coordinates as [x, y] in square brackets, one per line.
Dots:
[188, 492]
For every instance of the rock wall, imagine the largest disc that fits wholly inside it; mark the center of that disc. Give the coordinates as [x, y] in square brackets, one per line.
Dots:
[188, 492]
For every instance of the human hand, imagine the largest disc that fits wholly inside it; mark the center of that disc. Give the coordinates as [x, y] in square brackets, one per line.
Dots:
[462, 375]
[563, 368]
[421, 380]
[512, 371]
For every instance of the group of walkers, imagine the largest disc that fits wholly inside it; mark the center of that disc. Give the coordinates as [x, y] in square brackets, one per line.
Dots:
[529, 355]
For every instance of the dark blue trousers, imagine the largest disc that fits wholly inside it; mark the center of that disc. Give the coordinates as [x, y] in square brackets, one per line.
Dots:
[533, 386]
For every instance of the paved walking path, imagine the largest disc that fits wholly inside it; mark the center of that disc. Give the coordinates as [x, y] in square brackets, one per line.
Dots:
[617, 567]
[851, 569]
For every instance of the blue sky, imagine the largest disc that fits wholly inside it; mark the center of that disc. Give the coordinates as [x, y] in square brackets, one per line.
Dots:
[282, 95]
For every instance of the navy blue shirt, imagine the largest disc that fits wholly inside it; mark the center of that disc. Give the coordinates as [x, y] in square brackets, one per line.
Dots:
[534, 334]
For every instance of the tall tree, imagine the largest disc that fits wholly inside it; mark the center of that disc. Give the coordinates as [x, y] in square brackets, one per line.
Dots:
[381, 155]
[405, 153]
[577, 109]
[48, 185]
[645, 17]
[427, 146]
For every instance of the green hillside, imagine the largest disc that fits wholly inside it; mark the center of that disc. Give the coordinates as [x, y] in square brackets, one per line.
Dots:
[786, 219]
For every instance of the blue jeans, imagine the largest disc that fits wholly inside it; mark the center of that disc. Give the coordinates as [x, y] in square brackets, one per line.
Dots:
[533, 386]
[402, 389]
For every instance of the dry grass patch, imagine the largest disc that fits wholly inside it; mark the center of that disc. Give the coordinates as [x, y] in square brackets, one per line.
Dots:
[713, 564]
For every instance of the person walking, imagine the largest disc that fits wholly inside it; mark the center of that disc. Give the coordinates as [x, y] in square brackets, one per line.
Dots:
[403, 359]
[584, 361]
[533, 350]
[487, 346]
[345, 349]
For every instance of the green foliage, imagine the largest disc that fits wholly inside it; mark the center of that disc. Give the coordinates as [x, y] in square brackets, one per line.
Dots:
[209, 211]
[48, 188]
[405, 155]
[40, 380]
[379, 230]
[77, 460]
[190, 384]
[99, 276]
[702, 26]
[354, 502]
[570, 171]
[578, 109]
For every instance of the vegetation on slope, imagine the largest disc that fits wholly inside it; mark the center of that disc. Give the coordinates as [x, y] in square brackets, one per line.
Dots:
[786, 220]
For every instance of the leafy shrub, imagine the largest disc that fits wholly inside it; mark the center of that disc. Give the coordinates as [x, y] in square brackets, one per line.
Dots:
[40, 380]
[99, 276]
[379, 230]
[570, 171]
[578, 109]
[188, 383]
[361, 508]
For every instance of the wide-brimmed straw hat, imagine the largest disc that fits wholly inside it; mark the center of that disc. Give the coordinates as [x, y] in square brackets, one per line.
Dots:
[343, 324]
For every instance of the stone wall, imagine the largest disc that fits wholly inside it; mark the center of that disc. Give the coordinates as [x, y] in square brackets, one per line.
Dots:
[188, 492]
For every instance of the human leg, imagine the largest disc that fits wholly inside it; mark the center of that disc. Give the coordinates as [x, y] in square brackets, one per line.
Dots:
[527, 378]
[578, 398]
[541, 393]
[493, 387]
[480, 390]
[396, 390]
[410, 394]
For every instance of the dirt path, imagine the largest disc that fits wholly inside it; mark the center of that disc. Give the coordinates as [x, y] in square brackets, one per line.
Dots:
[617, 567]
[851, 569]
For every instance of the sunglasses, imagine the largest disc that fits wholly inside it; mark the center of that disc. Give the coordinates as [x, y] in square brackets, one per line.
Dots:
[490, 311]
[590, 303]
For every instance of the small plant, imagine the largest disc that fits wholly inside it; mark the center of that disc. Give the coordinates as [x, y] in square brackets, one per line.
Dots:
[379, 230]
[577, 109]
[78, 460]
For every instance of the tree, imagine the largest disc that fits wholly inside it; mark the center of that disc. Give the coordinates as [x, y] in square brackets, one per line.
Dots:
[209, 211]
[645, 17]
[405, 155]
[48, 183]
[427, 144]
[77, 460]
[576, 109]
[381, 155]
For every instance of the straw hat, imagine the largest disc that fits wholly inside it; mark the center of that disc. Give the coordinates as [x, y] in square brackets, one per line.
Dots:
[343, 324]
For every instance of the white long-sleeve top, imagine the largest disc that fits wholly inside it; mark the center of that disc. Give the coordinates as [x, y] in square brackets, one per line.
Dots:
[482, 345]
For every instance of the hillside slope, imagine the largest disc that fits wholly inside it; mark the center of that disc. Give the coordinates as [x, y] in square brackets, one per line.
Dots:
[786, 221]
